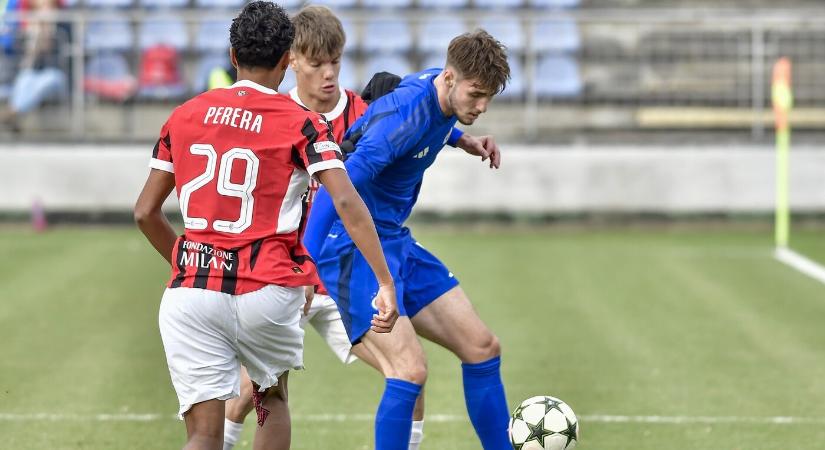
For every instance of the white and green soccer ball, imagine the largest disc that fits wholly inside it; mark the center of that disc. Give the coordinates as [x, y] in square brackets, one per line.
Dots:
[544, 423]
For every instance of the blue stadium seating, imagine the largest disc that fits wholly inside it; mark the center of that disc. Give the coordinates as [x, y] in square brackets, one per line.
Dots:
[352, 35]
[560, 34]
[498, 4]
[434, 60]
[205, 66]
[108, 76]
[336, 4]
[387, 4]
[163, 4]
[508, 30]
[113, 34]
[441, 4]
[387, 35]
[163, 30]
[212, 36]
[515, 88]
[348, 77]
[288, 82]
[557, 76]
[396, 64]
[219, 4]
[99, 4]
[555, 4]
[435, 34]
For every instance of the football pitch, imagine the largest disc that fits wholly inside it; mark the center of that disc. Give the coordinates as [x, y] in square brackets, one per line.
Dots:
[658, 338]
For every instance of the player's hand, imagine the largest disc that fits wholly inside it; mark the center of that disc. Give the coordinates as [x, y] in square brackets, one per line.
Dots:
[483, 146]
[387, 309]
[309, 294]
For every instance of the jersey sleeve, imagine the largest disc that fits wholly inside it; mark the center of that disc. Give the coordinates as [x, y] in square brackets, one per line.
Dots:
[162, 153]
[319, 150]
[386, 136]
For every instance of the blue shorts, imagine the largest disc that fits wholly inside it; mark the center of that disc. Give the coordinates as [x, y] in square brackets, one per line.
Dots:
[420, 278]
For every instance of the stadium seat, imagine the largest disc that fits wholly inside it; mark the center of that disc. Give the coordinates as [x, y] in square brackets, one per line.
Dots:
[163, 30]
[515, 87]
[348, 77]
[205, 66]
[113, 33]
[108, 76]
[387, 35]
[386, 4]
[555, 4]
[498, 4]
[442, 4]
[164, 4]
[219, 4]
[351, 31]
[435, 34]
[212, 36]
[160, 74]
[508, 30]
[557, 76]
[336, 4]
[396, 64]
[434, 60]
[288, 82]
[102, 4]
[559, 34]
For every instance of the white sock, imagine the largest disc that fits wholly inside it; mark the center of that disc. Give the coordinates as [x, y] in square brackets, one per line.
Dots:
[417, 434]
[231, 433]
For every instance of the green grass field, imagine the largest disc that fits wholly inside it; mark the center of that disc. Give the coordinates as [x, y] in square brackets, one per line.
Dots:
[689, 339]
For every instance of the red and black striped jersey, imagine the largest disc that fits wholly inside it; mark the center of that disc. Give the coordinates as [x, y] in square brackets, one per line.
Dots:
[242, 158]
[348, 109]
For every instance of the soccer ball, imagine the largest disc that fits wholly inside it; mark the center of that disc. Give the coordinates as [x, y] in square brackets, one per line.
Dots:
[544, 423]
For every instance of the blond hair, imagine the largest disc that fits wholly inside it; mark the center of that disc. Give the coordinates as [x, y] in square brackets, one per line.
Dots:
[318, 33]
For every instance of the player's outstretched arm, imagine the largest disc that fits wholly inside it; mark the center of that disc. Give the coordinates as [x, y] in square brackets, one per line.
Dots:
[483, 146]
[149, 216]
[360, 227]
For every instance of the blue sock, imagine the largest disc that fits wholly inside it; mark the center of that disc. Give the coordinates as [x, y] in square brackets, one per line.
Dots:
[393, 421]
[486, 404]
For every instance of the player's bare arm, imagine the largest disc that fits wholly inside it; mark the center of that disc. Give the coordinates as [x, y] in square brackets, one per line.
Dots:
[149, 216]
[483, 146]
[358, 222]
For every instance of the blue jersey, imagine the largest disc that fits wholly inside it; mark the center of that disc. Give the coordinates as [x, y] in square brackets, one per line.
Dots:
[402, 133]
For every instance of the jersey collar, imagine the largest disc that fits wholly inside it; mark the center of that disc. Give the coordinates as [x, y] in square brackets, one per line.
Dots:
[329, 116]
[253, 85]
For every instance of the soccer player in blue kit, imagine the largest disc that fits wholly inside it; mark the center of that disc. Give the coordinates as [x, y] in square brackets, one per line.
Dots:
[397, 139]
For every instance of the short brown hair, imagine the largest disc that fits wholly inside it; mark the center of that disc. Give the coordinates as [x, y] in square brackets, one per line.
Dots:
[318, 33]
[481, 57]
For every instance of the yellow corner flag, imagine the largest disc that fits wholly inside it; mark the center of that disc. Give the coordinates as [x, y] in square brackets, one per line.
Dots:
[782, 97]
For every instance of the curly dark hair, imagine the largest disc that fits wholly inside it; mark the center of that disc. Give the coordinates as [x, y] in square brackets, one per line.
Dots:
[261, 34]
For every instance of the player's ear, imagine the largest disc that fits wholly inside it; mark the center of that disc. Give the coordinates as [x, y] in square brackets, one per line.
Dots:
[449, 77]
[293, 60]
[283, 64]
[232, 58]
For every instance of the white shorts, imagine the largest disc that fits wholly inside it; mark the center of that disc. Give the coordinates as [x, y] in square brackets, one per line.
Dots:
[208, 334]
[325, 318]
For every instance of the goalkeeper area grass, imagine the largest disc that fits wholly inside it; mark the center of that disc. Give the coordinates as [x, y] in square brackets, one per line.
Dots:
[658, 338]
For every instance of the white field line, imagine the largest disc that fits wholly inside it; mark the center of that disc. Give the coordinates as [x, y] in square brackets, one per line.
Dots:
[438, 418]
[800, 263]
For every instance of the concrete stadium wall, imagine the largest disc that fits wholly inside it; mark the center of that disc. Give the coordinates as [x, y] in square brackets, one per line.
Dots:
[547, 180]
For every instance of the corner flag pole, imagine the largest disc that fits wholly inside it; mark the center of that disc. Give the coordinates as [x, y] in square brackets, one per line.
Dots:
[782, 98]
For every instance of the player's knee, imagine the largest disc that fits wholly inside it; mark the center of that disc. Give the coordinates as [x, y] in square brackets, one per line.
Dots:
[414, 373]
[485, 348]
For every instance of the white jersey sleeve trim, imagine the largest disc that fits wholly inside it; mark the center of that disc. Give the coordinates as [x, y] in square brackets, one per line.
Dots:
[324, 165]
[160, 164]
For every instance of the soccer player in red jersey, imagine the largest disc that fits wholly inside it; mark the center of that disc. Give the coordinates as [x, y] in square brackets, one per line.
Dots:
[240, 159]
[316, 60]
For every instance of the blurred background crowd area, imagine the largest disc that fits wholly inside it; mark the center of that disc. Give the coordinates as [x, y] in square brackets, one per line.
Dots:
[112, 70]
